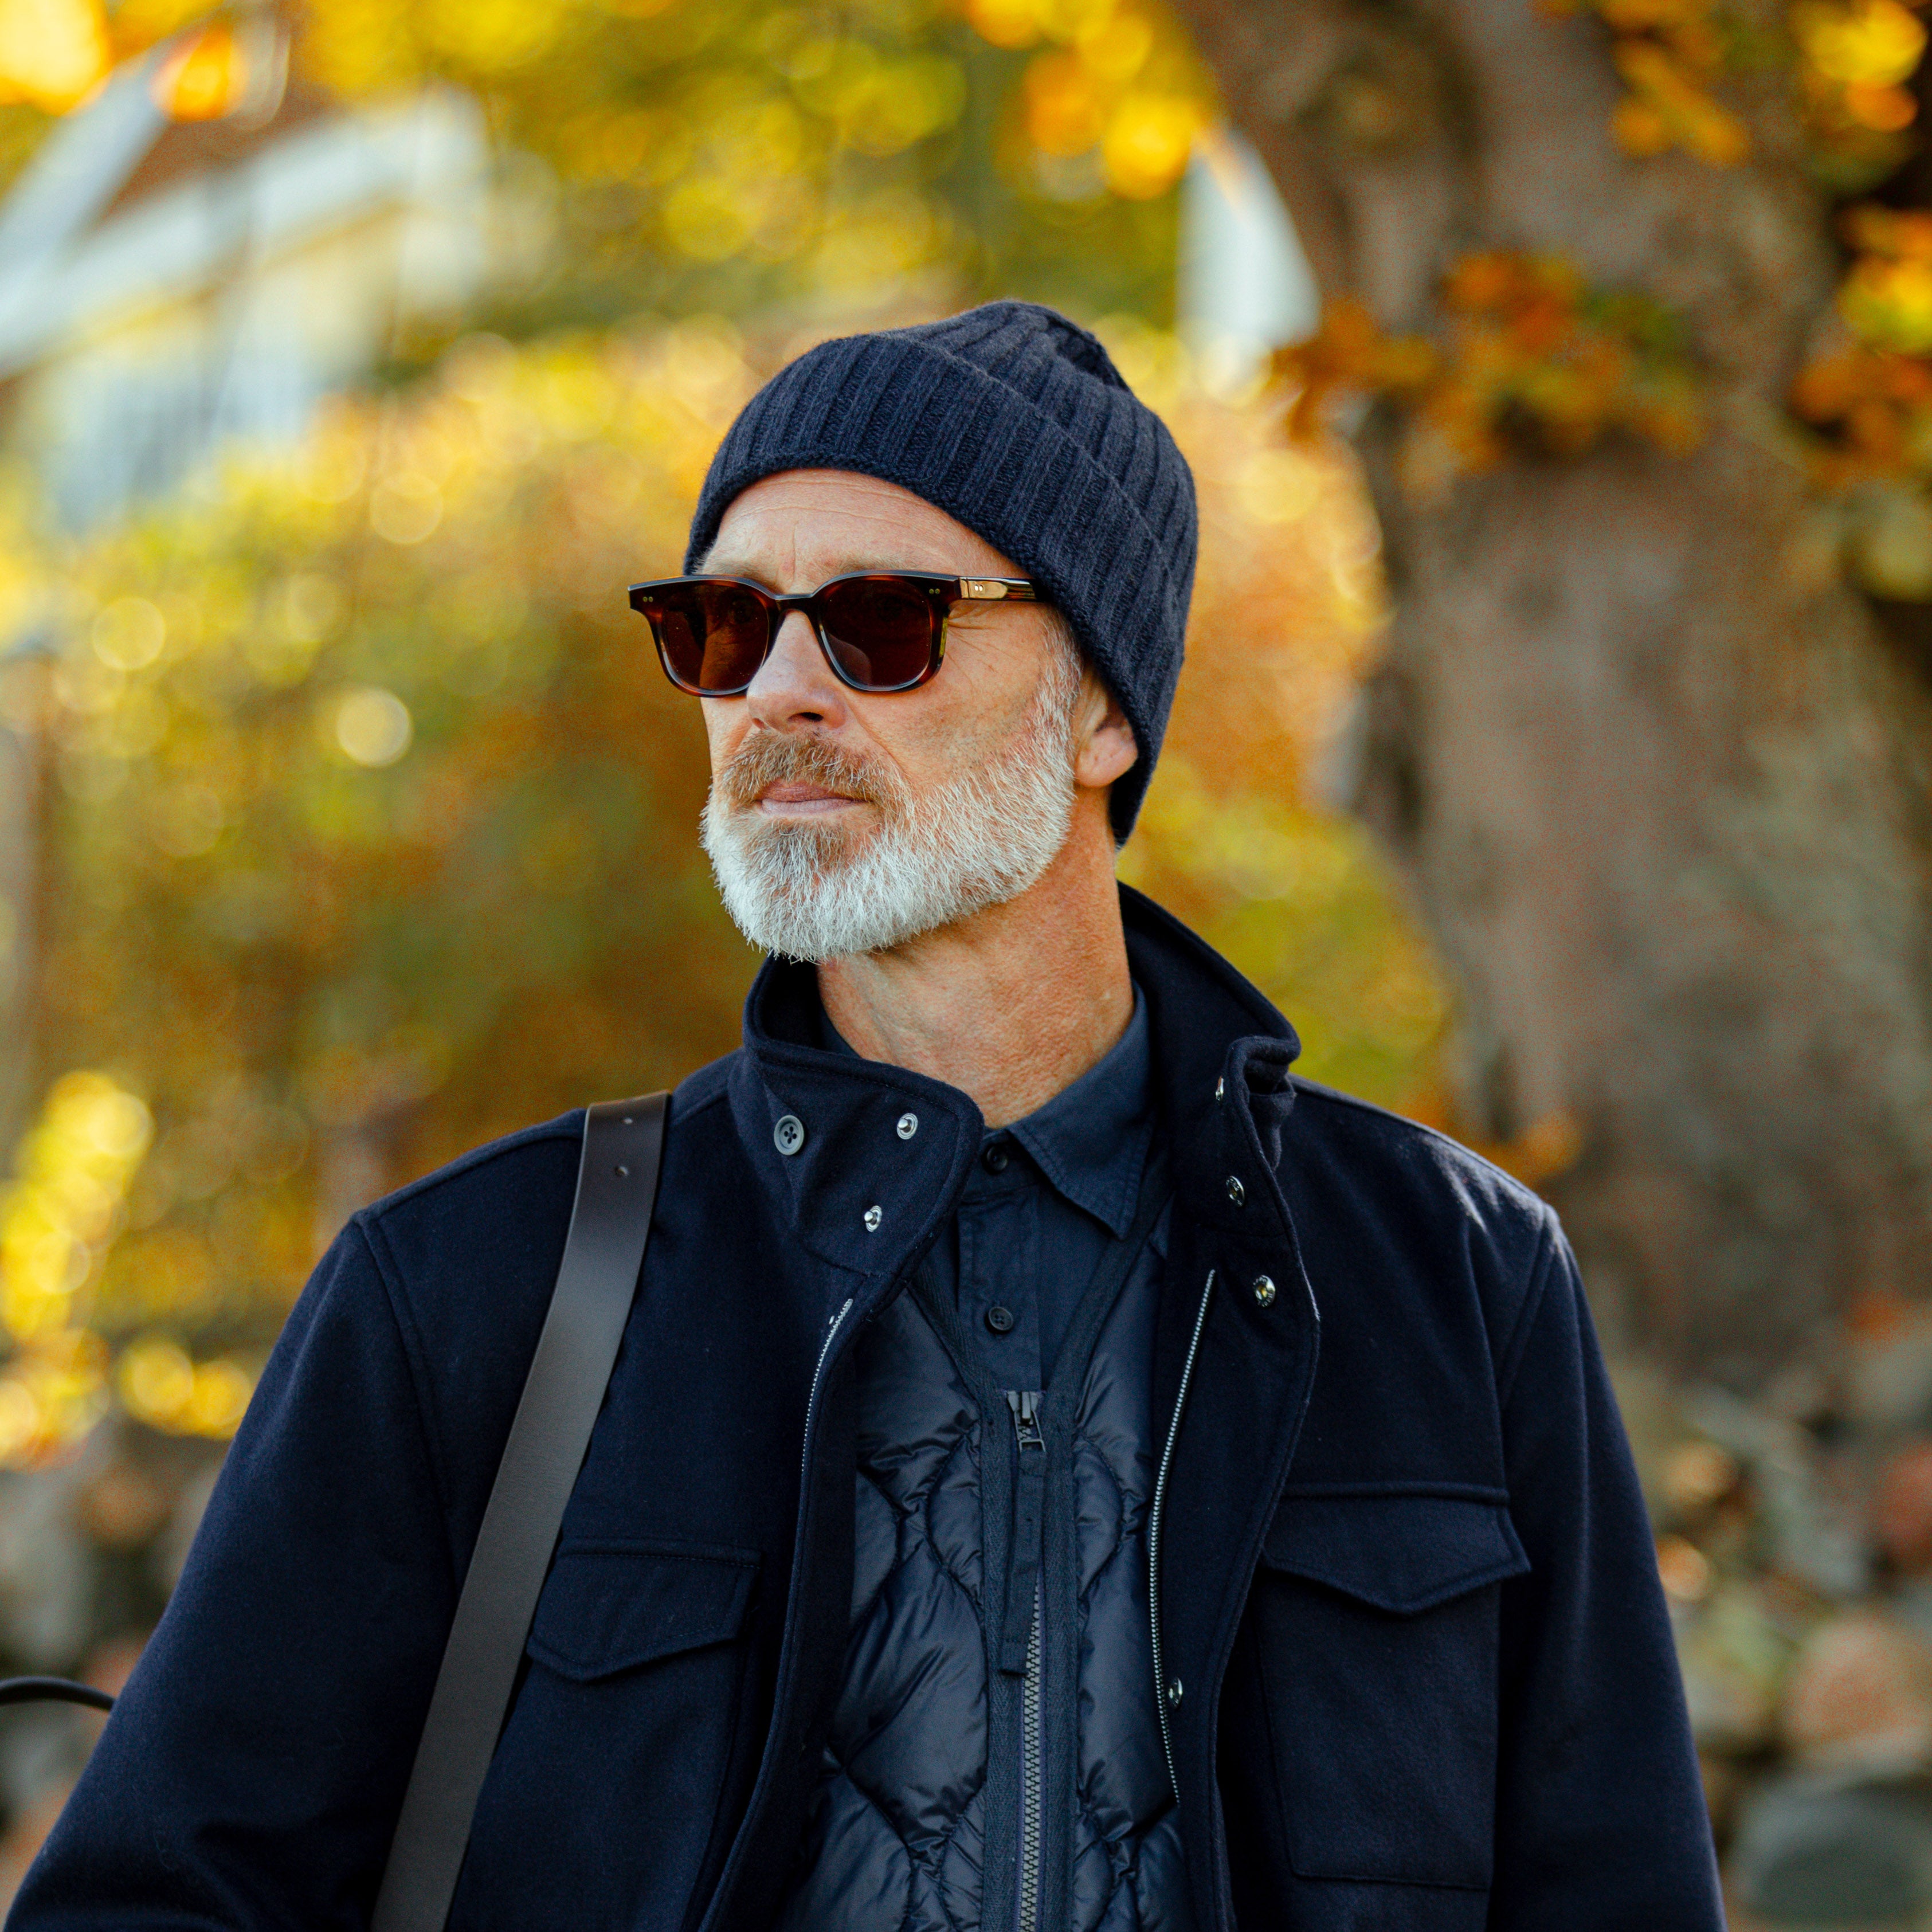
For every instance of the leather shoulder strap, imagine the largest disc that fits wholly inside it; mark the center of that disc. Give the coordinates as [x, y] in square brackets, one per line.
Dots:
[616, 1190]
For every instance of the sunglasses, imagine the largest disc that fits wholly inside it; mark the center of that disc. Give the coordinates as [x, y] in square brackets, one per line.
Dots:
[879, 630]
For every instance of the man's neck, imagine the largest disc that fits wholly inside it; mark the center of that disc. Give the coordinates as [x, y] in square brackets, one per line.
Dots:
[1011, 1005]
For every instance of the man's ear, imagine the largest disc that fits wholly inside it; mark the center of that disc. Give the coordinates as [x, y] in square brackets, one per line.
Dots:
[1103, 740]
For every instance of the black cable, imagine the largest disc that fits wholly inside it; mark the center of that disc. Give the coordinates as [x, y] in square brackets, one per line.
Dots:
[52, 1690]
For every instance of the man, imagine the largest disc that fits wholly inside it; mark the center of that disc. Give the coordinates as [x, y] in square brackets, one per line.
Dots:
[1061, 1470]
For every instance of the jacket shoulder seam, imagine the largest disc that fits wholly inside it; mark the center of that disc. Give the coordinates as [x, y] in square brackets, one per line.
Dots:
[717, 1097]
[1517, 1346]
[1314, 1089]
[568, 1127]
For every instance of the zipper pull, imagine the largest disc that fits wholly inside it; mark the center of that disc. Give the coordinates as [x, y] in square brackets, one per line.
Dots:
[1025, 1404]
[1025, 1550]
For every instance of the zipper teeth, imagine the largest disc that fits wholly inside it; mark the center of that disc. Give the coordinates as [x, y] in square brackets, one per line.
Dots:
[1026, 1914]
[1030, 1770]
[817, 1374]
[1153, 1535]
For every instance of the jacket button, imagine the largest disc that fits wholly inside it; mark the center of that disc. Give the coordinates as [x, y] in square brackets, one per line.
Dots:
[1173, 1690]
[908, 1126]
[874, 1215]
[1264, 1291]
[994, 1159]
[1236, 1192]
[788, 1136]
[999, 1319]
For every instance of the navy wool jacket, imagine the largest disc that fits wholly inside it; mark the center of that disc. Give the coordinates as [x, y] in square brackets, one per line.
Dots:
[1419, 1673]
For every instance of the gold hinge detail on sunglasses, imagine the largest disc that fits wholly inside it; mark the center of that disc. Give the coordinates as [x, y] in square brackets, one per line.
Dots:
[987, 587]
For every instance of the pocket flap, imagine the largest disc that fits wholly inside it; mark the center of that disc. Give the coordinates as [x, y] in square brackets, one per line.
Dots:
[1403, 1553]
[611, 1606]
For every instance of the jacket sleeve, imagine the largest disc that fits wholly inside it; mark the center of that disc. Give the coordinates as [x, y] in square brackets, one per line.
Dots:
[251, 1772]
[1600, 1818]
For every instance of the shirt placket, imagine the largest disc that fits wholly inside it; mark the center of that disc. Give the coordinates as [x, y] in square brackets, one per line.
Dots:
[999, 1266]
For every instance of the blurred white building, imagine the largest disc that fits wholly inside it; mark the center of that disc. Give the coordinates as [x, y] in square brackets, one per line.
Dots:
[167, 285]
[1244, 287]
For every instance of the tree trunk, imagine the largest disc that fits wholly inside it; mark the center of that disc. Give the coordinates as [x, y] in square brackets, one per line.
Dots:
[1658, 779]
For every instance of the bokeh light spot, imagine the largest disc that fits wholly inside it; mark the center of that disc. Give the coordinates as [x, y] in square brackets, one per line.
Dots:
[372, 726]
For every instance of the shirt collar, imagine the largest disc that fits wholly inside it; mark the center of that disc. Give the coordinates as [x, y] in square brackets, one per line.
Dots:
[1090, 1140]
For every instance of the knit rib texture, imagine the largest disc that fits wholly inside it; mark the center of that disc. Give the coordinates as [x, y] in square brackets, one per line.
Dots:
[1014, 420]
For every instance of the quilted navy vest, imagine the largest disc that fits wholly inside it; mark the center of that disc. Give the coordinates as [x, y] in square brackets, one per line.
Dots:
[995, 1757]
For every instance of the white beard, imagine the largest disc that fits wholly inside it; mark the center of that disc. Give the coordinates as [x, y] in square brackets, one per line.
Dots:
[981, 837]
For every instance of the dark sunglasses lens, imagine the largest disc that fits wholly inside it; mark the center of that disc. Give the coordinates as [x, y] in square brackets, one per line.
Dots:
[712, 635]
[880, 630]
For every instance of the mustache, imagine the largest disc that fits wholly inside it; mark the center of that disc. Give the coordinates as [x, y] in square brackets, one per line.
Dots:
[769, 758]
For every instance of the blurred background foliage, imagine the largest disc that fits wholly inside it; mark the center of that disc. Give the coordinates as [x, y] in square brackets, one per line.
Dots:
[736, 153]
[366, 825]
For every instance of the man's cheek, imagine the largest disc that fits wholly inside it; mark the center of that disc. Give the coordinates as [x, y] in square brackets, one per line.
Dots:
[723, 731]
[943, 739]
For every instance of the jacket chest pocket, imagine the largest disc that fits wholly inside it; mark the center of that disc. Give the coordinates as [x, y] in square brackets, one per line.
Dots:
[1378, 1618]
[608, 1609]
[602, 1797]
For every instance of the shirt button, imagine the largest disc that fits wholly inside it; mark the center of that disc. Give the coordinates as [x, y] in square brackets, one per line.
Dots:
[999, 1319]
[994, 1159]
[788, 1136]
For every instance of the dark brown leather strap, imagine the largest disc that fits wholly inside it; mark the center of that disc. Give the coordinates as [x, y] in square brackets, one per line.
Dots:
[616, 1188]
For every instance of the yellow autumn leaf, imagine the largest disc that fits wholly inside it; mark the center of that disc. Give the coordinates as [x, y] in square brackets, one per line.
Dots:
[1005, 23]
[1874, 43]
[52, 52]
[1147, 142]
[1889, 304]
[1063, 111]
[1116, 47]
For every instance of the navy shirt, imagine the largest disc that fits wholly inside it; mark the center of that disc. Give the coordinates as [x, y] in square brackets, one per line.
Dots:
[1051, 1194]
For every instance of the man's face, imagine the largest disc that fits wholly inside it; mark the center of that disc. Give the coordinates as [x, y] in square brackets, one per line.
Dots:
[843, 822]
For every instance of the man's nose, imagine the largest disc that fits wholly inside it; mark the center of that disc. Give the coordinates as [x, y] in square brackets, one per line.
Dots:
[794, 686]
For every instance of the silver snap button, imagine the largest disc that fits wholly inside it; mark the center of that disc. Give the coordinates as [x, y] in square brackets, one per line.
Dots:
[788, 1136]
[873, 1218]
[620, 1171]
[1264, 1291]
[1237, 1193]
[1173, 1690]
[908, 1126]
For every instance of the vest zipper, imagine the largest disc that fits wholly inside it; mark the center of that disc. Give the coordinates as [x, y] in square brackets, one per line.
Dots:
[1161, 1692]
[1020, 1641]
[812, 1397]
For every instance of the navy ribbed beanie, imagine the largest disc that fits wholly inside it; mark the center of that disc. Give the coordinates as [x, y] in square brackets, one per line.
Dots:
[1013, 420]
